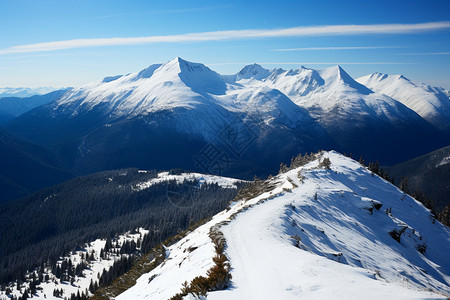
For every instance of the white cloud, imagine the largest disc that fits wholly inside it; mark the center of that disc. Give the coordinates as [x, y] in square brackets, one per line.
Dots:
[311, 63]
[331, 48]
[426, 53]
[232, 34]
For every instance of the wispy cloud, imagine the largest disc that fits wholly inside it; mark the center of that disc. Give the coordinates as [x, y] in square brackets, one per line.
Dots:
[166, 11]
[331, 48]
[232, 34]
[312, 63]
[425, 53]
[191, 9]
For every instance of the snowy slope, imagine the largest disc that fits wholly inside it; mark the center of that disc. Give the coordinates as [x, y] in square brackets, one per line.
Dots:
[431, 103]
[160, 86]
[92, 273]
[224, 182]
[318, 234]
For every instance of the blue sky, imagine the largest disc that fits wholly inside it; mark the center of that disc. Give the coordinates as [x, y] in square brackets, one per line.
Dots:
[69, 43]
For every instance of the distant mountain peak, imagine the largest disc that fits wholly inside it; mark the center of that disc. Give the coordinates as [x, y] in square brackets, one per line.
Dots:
[254, 71]
[336, 75]
[182, 65]
[401, 77]
[431, 103]
[378, 76]
[383, 76]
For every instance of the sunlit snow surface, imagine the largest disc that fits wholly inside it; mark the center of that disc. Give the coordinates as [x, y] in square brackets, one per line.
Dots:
[431, 103]
[223, 182]
[345, 250]
[211, 100]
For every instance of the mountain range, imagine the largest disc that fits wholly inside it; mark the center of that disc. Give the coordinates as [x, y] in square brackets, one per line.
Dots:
[431, 103]
[11, 107]
[237, 125]
[23, 92]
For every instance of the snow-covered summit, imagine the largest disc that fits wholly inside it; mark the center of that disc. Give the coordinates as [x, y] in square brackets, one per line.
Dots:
[429, 102]
[332, 95]
[337, 76]
[315, 233]
[177, 83]
[253, 71]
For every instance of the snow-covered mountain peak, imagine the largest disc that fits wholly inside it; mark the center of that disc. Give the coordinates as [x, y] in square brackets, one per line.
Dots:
[294, 83]
[180, 65]
[401, 77]
[335, 75]
[253, 71]
[198, 77]
[376, 76]
[431, 103]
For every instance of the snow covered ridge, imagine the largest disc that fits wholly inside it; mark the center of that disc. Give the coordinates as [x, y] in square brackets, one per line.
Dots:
[78, 273]
[182, 84]
[224, 182]
[431, 103]
[315, 233]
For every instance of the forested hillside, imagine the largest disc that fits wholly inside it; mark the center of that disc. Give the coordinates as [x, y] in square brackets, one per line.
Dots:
[56, 220]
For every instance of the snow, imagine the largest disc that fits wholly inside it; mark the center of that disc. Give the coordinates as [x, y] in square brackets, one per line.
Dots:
[160, 86]
[224, 182]
[444, 161]
[45, 289]
[254, 71]
[431, 103]
[314, 237]
[332, 94]
[211, 101]
[266, 265]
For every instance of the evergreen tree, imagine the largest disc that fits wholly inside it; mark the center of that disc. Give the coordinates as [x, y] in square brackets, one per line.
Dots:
[404, 185]
[91, 287]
